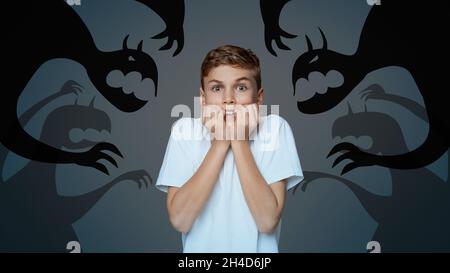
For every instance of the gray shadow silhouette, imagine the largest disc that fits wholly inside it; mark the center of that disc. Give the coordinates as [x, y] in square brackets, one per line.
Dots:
[414, 218]
[34, 217]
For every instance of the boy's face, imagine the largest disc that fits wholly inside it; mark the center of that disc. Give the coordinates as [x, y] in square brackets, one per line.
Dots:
[226, 86]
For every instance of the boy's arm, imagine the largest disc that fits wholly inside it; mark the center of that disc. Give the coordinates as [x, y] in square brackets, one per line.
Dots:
[184, 204]
[265, 202]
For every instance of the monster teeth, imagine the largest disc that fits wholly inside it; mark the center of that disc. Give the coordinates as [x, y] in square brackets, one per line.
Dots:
[229, 112]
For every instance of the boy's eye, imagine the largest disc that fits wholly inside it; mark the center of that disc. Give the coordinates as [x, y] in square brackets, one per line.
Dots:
[215, 88]
[241, 88]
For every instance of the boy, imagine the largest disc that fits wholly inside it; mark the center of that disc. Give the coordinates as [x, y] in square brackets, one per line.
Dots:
[226, 186]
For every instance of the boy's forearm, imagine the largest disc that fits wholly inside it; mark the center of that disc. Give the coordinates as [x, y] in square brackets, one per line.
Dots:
[260, 198]
[189, 200]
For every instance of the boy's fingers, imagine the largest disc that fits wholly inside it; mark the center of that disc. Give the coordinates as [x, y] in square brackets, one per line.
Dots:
[253, 109]
[254, 116]
[220, 123]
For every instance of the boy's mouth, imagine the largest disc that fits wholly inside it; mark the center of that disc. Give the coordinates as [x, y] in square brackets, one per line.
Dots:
[229, 112]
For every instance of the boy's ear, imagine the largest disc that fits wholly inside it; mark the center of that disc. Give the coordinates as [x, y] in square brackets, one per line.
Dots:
[260, 96]
[202, 96]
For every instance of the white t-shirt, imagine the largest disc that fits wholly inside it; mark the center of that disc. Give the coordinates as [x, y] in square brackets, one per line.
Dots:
[226, 223]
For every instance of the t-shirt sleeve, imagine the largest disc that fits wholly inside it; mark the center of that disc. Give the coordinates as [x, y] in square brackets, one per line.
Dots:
[177, 167]
[280, 159]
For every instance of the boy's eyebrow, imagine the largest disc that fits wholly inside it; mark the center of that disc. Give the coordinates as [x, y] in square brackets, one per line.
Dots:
[215, 81]
[243, 79]
[237, 80]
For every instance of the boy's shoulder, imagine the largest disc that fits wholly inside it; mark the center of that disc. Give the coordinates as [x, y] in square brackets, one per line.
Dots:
[276, 118]
[270, 126]
[273, 122]
[184, 121]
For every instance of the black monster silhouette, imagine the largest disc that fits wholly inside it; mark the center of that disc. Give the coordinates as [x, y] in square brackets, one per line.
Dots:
[172, 12]
[41, 220]
[415, 216]
[45, 30]
[270, 12]
[396, 33]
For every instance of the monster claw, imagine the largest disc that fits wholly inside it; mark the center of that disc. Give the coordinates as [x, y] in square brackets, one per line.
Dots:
[341, 146]
[143, 182]
[109, 159]
[100, 167]
[281, 45]
[287, 35]
[168, 44]
[149, 178]
[349, 167]
[304, 187]
[91, 104]
[160, 35]
[339, 159]
[269, 47]
[349, 109]
[110, 147]
[76, 87]
[364, 91]
[332, 152]
[116, 151]
[180, 44]
[363, 94]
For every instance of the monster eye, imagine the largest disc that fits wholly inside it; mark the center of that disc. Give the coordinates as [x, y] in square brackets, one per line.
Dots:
[131, 59]
[314, 59]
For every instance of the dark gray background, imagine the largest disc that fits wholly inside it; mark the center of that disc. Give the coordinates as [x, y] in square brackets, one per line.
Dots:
[325, 218]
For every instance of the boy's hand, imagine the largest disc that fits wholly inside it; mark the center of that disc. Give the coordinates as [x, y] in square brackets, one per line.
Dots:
[213, 119]
[243, 127]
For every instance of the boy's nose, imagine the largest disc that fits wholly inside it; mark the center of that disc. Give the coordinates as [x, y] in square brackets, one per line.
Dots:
[228, 98]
